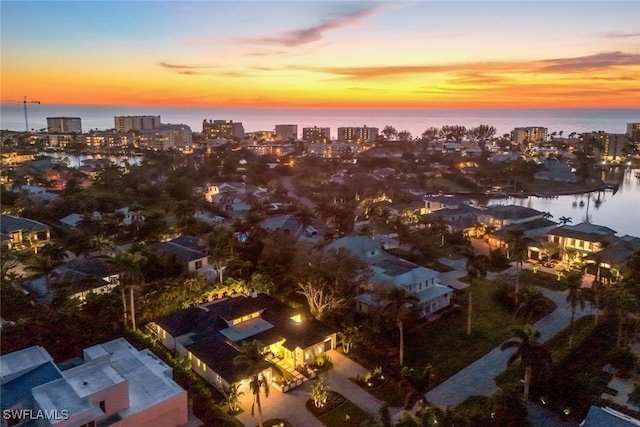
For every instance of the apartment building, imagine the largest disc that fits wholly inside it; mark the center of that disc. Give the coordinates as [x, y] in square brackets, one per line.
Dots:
[528, 135]
[214, 129]
[609, 146]
[358, 135]
[64, 124]
[135, 123]
[286, 132]
[165, 137]
[316, 134]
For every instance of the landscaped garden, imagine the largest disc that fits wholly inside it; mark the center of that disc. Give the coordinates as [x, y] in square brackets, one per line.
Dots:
[542, 279]
[445, 344]
[333, 409]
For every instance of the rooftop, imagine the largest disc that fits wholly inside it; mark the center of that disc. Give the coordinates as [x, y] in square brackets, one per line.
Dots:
[585, 231]
[510, 212]
[10, 223]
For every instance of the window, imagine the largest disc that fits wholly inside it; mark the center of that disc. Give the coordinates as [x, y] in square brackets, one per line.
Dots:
[198, 265]
[103, 406]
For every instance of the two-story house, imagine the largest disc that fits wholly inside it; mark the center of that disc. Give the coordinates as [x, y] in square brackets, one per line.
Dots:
[22, 233]
[388, 270]
[580, 240]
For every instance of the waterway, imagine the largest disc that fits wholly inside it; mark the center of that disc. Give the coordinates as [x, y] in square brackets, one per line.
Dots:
[619, 210]
[74, 161]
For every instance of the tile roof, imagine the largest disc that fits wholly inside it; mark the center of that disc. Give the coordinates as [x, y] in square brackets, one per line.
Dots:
[585, 231]
[10, 223]
[619, 252]
[180, 252]
[510, 212]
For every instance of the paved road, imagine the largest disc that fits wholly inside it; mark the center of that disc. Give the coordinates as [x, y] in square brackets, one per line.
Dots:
[478, 378]
[288, 185]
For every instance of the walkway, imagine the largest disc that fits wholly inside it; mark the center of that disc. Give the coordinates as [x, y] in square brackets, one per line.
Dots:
[291, 405]
[478, 377]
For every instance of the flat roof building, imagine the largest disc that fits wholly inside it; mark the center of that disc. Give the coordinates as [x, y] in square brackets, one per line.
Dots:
[135, 123]
[64, 124]
[358, 135]
[115, 384]
[286, 132]
[214, 129]
[316, 134]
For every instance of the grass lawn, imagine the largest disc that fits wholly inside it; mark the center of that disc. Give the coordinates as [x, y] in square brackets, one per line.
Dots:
[345, 413]
[542, 279]
[388, 392]
[445, 345]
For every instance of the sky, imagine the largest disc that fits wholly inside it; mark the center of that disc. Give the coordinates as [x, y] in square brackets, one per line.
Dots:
[331, 53]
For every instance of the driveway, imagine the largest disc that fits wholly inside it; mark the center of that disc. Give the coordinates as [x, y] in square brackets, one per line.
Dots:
[291, 405]
[478, 377]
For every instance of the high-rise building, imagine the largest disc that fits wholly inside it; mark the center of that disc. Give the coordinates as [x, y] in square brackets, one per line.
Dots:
[286, 132]
[316, 134]
[358, 135]
[528, 135]
[221, 129]
[135, 123]
[165, 137]
[633, 131]
[64, 124]
[607, 146]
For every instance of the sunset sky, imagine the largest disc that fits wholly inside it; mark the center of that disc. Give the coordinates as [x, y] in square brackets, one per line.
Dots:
[323, 53]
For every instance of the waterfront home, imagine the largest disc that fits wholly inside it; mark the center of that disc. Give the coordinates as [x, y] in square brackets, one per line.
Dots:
[113, 384]
[615, 256]
[499, 216]
[577, 241]
[211, 335]
[391, 271]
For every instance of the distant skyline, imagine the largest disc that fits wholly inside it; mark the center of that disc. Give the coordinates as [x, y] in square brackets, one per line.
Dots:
[322, 53]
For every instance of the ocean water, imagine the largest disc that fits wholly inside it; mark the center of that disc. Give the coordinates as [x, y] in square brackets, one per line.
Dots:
[254, 119]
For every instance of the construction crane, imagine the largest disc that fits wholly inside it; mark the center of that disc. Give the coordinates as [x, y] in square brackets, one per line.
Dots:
[26, 117]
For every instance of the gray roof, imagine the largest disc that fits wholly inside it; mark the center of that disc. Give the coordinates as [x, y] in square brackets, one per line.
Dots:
[524, 226]
[10, 223]
[180, 252]
[510, 212]
[315, 231]
[620, 251]
[607, 417]
[585, 231]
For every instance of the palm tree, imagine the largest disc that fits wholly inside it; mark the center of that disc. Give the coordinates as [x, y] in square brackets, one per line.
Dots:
[575, 297]
[42, 266]
[476, 267]
[564, 220]
[517, 244]
[417, 383]
[532, 301]
[252, 359]
[398, 301]
[130, 278]
[619, 301]
[233, 393]
[528, 354]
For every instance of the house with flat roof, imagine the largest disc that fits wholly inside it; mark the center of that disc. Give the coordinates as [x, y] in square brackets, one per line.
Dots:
[114, 384]
[22, 233]
[388, 270]
[211, 335]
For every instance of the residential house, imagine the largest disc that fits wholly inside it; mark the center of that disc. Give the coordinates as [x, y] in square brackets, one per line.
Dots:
[313, 232]
[436, 203]
[500, 216]
[580, 240]
[211, 335]
[22, 233]
[88, 276]
[113, 384]
[616, 255]
[556, 171]
[37, 192]
[188, 252]
[235, 196]
[388, 271]
[534, 230]
[460, 217]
